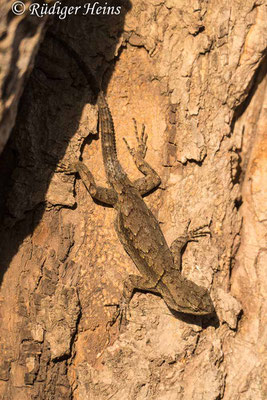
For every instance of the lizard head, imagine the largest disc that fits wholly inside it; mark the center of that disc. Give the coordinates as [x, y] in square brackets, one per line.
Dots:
[185, 296]
[198, 301]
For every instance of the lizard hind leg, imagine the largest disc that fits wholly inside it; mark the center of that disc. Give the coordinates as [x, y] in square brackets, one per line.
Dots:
[151, 179]
[104, 195]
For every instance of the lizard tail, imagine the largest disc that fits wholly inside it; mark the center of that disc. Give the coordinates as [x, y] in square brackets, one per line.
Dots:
[79, 61]
[113, 168]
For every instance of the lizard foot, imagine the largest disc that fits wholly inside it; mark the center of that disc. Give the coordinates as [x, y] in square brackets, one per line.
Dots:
[198, 232]
[192, 234]
[188, 236]
[122, 309]
[141, 140]
[70, 168]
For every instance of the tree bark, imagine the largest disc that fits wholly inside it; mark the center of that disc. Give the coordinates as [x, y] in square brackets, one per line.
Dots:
[195, 73]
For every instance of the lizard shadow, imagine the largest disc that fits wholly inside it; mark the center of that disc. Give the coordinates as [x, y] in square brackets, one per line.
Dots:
[203, 321]
[48, 116]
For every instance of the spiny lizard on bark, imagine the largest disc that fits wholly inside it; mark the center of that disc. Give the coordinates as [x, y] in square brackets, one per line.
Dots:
[137, 228]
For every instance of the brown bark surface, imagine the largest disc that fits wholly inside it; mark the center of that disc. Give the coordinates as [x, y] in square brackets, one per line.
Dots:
[195, 73]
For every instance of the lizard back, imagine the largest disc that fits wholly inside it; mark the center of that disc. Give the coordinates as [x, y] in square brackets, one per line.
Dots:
[141, 235]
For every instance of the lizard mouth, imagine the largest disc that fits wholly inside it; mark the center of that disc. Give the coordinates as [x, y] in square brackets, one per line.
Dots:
[206, 306]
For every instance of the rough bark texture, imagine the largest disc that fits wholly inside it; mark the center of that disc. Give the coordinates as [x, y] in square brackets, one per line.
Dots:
[19, 41]
[194, 72]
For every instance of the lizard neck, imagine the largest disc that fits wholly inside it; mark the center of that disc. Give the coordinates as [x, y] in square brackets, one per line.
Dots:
[114, 170]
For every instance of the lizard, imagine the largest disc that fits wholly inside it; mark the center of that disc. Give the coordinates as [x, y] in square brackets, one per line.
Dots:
[137, 228]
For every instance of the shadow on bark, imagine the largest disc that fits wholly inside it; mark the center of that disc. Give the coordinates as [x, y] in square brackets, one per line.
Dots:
[48, 116]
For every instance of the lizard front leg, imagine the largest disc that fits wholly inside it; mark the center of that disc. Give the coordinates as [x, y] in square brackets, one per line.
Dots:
[151, 179]
[132, 283]
[102, 194]
[179, 244]
[137, 282]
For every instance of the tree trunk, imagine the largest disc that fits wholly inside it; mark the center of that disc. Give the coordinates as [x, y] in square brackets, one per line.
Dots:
[194, 73]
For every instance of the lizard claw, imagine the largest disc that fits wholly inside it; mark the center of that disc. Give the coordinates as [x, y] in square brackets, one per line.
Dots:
[131, 151]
